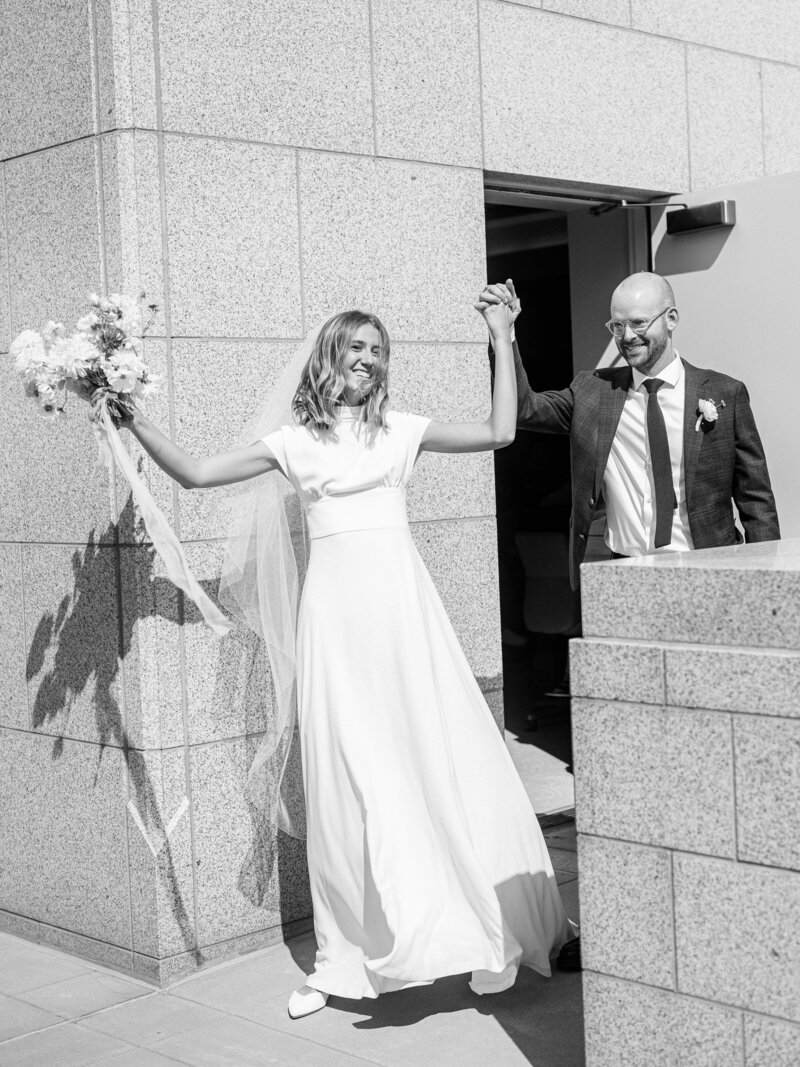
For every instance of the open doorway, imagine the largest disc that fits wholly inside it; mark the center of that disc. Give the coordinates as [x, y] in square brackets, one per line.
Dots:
[565, 259]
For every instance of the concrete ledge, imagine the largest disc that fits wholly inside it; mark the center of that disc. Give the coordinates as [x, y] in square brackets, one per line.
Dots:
[746, 595]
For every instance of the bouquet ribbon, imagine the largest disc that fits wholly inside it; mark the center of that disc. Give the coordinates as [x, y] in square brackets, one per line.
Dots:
[161, 534]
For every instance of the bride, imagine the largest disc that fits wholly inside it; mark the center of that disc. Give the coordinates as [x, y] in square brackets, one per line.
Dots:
[425, 857]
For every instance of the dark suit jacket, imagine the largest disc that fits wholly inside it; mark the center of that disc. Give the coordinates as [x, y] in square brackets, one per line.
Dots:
[723, 461]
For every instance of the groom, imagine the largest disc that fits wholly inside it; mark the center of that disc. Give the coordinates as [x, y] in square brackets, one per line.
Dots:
[665, 445]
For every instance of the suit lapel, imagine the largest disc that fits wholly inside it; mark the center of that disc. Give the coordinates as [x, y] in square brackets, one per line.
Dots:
[692, 440]
[612, 401]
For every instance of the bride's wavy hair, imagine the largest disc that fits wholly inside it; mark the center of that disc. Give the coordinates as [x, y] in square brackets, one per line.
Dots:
[322, 380]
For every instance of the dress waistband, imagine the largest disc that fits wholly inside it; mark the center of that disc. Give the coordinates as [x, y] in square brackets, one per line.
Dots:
[372, 509]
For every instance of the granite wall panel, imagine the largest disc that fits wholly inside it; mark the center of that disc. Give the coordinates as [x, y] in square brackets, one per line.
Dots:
[62, 803]
[228, 682]
[232, 229]
[769, 29]
[451, 551]
[620, 883]
[426, 108]
[446, 383]
[757, 681]
[767, 753]
[633, 760]
[391, 237]
[731, 921]
[770, 1042]
[150, 646]
[46, 79]
[612, 12]
[725, 118]
[283, 71]
[130, 526]
[161, 864]
[211, 421]
[555, 106]
[54, 250]
[132, 220]
[52, 491]
[629, 1023]
[72, 644]
[247, 878]
[124, 41]
[5, 292]
[13, 650]
[617, 670]
[781, 87]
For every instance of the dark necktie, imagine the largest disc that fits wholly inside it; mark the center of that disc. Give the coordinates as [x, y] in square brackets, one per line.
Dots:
[665, 502]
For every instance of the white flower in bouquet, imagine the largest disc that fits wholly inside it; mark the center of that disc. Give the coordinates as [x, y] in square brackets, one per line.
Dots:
[148, 387]
[28, 352]
[73, 356]
[52, 332]
[124, 371]
[47, 393]
[129, 313]
[87, 324]
[121, 379]
[129, 359]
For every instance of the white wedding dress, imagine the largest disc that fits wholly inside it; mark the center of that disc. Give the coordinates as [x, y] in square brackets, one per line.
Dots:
[425, 856]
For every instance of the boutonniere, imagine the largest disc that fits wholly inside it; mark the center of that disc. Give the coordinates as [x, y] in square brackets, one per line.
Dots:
[707, 414]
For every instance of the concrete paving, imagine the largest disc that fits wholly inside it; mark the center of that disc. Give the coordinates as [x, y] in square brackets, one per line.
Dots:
[62, 1011]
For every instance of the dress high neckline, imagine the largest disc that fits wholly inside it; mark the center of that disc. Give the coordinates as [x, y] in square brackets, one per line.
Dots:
[345, 411]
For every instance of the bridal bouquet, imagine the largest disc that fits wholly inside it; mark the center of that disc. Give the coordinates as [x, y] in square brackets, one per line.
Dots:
[101, 355]
[101, 361]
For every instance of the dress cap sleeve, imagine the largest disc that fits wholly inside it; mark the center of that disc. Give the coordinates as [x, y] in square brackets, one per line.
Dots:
[413, 427]
[276, 443]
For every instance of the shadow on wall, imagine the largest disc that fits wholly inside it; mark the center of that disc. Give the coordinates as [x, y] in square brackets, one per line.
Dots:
[689, 252]
[80, 661]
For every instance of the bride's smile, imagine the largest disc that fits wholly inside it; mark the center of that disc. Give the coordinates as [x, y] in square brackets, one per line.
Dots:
[358, 363]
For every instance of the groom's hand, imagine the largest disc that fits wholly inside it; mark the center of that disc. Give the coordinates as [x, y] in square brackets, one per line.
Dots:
[500, 294]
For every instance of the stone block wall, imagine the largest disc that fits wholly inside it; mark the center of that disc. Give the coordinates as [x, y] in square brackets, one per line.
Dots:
[255, 168]
[687, 761]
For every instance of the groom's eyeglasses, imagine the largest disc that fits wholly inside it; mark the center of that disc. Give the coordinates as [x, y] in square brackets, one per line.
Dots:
[639, 326]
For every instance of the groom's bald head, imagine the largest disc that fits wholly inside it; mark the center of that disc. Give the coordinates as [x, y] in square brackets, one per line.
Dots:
[643, 289]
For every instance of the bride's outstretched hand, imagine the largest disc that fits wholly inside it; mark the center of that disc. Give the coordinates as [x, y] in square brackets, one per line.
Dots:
[96, 400]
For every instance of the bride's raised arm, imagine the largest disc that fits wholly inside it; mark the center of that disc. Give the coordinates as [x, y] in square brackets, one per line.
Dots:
[499, 428]
[192, 472]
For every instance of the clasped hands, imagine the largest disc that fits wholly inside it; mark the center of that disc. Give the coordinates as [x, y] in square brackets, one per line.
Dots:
[500, 307]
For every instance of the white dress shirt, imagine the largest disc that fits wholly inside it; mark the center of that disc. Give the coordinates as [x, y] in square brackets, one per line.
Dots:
[628, 486]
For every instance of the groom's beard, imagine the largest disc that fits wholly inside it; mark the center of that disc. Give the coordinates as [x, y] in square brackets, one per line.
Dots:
[644, 354]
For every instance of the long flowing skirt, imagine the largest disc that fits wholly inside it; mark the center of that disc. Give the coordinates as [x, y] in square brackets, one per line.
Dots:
[425, 856]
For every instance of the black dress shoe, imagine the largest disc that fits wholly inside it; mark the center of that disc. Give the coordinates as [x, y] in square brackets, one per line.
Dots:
[559, 690]
[569, 958]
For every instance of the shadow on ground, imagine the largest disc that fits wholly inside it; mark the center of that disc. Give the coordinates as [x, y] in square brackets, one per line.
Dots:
[543, 1017]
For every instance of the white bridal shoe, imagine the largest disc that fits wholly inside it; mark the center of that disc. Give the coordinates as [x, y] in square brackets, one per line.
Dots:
[306, 1001]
